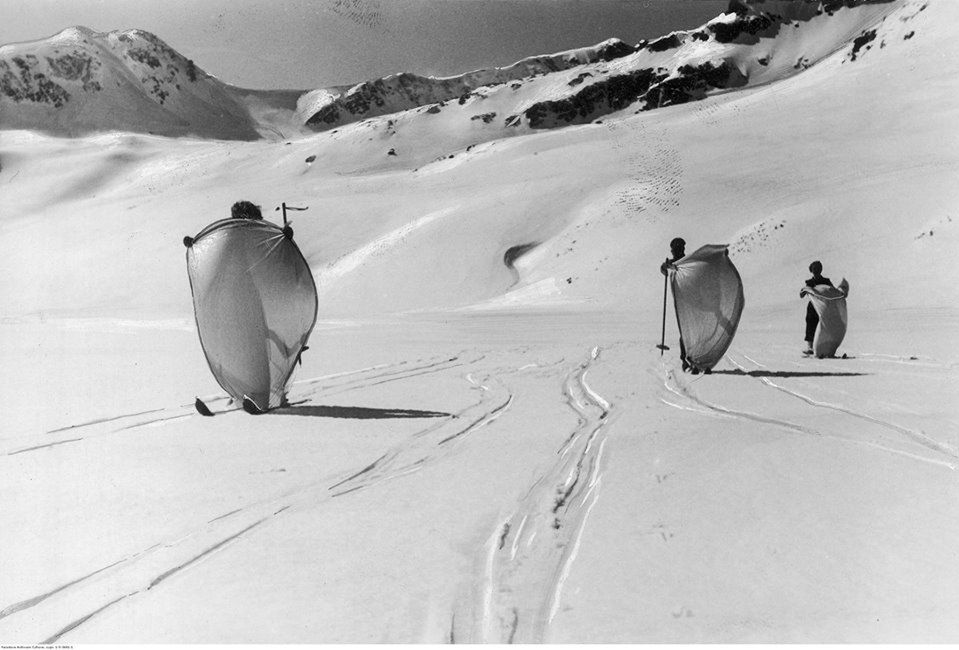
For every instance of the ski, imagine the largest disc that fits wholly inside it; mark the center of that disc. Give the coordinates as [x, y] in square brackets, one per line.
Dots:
[202, 408]
[205, 410]
[248, 405]
[251, 407]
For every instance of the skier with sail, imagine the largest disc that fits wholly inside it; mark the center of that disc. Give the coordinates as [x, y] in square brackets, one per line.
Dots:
[708, 298]
[255, 304]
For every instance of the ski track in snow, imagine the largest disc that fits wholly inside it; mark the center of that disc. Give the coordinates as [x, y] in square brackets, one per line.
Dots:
[918, 437]
[528, 558]
[70, 605]
[307, 388]
[687, 395]
[430, 443]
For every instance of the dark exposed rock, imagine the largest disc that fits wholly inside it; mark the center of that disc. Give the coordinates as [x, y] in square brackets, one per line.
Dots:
[144, 56]
[486, 117]
[579, 78]
[22, 85]
[614, 50]
[860, 42]
[76, 65]
[653, 88]
[611, 94]
[692, 83]
[668, 42]
[745, 29]
[326, 115]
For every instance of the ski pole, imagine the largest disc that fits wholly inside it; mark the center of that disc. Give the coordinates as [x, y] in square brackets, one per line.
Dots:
[289, 207]
[662, 345]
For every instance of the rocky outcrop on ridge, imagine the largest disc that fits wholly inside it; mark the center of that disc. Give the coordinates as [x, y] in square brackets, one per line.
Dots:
[406, 90]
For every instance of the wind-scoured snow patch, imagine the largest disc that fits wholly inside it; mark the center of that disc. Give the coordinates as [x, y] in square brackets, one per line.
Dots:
[353, 261]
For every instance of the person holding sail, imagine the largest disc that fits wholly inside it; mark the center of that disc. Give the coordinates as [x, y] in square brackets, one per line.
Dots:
[677, 248]
[708, 299]
[812, 318]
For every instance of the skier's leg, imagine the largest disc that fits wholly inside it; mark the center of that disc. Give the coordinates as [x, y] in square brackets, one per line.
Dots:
[812, 322]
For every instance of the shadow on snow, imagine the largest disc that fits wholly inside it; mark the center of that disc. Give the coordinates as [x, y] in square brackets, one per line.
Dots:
[787, 373]
[357, 412]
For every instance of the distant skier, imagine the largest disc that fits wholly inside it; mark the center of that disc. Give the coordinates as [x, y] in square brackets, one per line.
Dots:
[812, 318]
[677, 247]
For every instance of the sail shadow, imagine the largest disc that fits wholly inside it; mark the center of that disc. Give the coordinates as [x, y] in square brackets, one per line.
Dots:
[788, 373]
[357, 412]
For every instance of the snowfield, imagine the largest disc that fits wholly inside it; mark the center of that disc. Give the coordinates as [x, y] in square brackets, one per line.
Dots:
[484, 444]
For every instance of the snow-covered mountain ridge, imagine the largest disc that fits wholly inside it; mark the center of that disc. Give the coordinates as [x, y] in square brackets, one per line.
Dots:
[731, 51]
[81, 81]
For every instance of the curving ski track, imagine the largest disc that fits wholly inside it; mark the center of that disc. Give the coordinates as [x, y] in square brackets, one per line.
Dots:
[685, 392]
[528, 558]
[67, 607]
[918, 437]
[323, 386]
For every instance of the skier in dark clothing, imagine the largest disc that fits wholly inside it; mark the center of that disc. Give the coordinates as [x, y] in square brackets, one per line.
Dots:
[812, 318]
[244, 210]
[677, 247]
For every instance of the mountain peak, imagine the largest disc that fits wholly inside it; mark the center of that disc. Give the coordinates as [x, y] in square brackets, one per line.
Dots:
[81, 80]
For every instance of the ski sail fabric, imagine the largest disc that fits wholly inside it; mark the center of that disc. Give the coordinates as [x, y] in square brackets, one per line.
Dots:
[708, 296]
[255, 304]
[830, 303]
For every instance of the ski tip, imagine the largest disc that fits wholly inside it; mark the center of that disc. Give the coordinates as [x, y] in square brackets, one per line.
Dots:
[202, 408]
[251, 407]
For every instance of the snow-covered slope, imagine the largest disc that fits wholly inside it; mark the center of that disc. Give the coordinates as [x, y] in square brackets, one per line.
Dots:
[486, 445]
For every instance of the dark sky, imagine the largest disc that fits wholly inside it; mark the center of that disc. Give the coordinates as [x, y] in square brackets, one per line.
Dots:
[313, 43]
